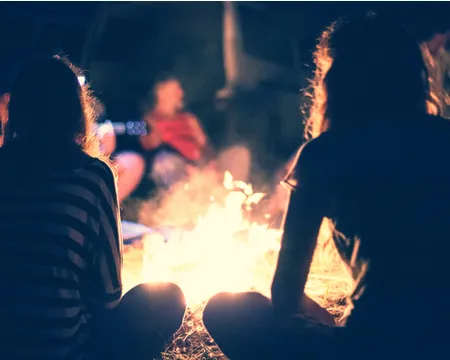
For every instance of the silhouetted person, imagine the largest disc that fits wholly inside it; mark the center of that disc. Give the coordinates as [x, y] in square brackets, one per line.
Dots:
[378, 166]
[60, 242]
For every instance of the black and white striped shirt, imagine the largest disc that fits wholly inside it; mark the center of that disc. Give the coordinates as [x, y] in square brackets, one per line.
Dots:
[60, 252]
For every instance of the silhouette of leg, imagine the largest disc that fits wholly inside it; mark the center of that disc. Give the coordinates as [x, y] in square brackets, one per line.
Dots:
[147, 316]
[241, 324]
[244, 327]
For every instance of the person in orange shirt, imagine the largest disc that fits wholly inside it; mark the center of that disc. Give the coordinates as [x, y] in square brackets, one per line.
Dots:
[176, 142]
[174, 145]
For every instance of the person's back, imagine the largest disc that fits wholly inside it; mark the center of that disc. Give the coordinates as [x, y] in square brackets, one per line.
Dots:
[389, 198]
[60, 241]
[378, 167]
[54, 219]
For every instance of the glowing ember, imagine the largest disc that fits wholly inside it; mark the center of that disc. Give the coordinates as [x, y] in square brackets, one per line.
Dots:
[225, 251]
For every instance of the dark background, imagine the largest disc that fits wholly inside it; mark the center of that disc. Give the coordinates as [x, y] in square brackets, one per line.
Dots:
[123, 45]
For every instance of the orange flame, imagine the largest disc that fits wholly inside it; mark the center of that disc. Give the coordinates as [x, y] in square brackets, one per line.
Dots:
[220, 254]
[227, 252]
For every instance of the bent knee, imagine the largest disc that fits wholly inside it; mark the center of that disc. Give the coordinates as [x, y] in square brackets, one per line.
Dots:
[238, 300]
[131, 160]
[154, 308]
[168, 291]
[230, 308]
[161, 296]
[137, 162]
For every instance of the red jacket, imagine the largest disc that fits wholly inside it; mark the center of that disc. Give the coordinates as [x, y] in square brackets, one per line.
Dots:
[181, 132]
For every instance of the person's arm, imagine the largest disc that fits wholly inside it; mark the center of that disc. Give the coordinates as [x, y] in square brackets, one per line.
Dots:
[197, 129]
[152, 139]
[305, 212]
[208, 152]
[280, 196]
[107, 267]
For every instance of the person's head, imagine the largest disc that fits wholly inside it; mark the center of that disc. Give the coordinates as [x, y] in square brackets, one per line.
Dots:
[49, 108]
[168, 94]
[367, 70]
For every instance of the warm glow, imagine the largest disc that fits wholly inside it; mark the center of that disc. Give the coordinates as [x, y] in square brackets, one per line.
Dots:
[222, 253]
[225, 251]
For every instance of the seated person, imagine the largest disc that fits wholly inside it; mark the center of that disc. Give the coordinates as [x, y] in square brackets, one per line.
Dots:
[175, 142]
[378, 166]
[61, 243]
[174, 146]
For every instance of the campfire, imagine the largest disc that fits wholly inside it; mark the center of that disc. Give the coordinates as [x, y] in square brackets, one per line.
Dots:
[207, 241]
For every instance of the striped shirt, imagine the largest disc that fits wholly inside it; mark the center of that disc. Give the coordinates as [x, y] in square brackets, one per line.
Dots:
[61, 252]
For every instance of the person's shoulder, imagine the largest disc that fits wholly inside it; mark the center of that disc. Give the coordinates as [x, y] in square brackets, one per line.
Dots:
[311, 161]
[101, 163]
[315, 150]
[102, 167]
[101, 170]
[102, 173]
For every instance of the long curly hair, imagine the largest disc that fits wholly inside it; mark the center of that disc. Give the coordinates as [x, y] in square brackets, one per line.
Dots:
[49, 108]
[368, 69]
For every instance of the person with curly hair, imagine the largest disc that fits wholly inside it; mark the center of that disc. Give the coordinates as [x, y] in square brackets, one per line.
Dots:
[377, 165]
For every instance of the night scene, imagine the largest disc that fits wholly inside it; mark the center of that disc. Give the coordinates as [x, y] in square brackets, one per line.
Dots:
[220, 180]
